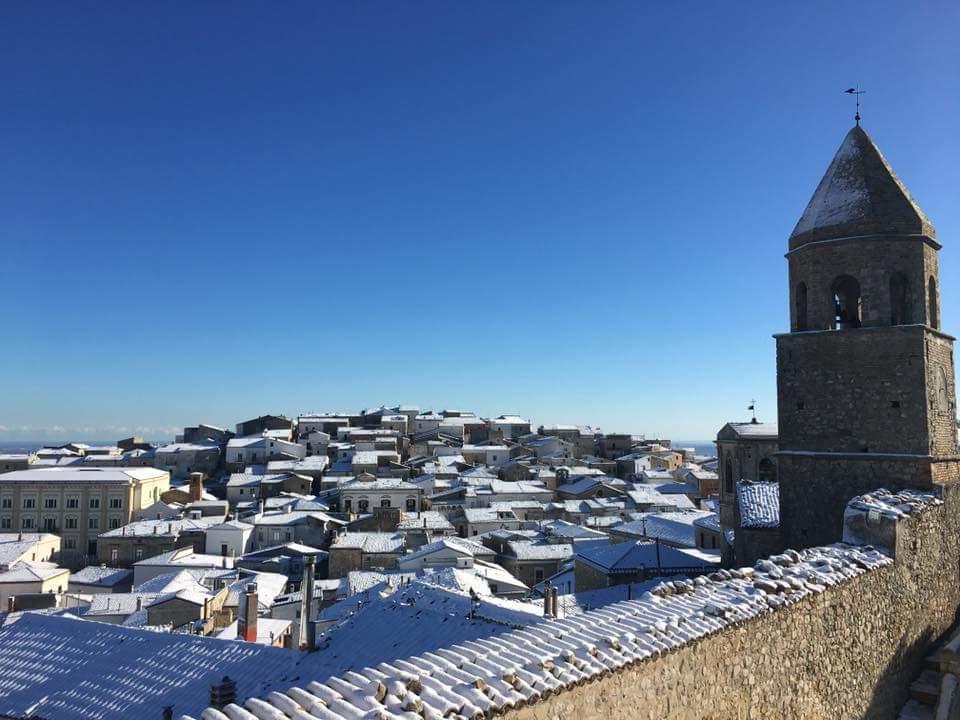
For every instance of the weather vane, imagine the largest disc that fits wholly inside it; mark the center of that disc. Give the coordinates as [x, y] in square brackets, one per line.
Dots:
[752, 407]
[856, 93]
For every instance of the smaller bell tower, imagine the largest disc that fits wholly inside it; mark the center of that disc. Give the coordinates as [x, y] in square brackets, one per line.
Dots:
[865, 377]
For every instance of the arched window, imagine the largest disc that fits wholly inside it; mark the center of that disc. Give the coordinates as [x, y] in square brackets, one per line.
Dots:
[728, 474]
[767, 470]
[385, 502]
[801, 306]
[363, 505]
[899, 309]
[846, 303]
[932, 300]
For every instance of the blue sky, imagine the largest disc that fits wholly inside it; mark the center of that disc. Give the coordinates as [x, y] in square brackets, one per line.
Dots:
[575, 211]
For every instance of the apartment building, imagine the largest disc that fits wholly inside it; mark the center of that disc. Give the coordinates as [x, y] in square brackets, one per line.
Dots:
[77, 503]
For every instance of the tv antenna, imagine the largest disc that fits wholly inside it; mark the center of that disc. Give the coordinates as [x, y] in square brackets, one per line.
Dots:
[856, 93]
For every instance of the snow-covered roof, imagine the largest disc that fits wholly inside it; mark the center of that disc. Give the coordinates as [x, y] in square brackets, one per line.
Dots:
[895, 504]
[709, 522]
[672, 527]
[144, 528]
[186, 557]
[14, 546]
[523, 550]
[30, 571]
[378, 484]
[859, 195]
[759, 504]
[69, 669]
[755, 430]
[119, 476]
[474, 679]
[100, 575]
[370, 542]
[428, 519]
[459, 545]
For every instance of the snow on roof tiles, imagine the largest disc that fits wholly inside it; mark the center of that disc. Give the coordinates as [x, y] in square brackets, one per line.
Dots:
[69, 669]
[370, 542]
[759, 504]
[895, 505]
[483, 677]
[97, 575]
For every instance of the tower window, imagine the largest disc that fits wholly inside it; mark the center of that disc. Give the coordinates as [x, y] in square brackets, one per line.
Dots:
[899, 309]
[846, 303]
[728, 475]
[800, 301]
[932, 300]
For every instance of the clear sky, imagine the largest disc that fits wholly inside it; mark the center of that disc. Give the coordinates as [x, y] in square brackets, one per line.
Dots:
[576, 211]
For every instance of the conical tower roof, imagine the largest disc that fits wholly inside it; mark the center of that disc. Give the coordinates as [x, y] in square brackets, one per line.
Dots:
[859, 195]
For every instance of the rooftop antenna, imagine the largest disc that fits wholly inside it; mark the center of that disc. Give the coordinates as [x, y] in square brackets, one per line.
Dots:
[856, 93]
[752, 407]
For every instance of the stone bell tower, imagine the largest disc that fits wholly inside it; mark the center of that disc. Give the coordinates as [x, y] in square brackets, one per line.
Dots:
[865, 379]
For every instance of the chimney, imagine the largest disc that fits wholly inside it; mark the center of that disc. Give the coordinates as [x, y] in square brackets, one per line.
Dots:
[223, 693]
[548, 599]
[554, 604]
[139, 603]
[168, 712]
[260, 509]
[196, 487]
[247, 618]
[307, 628]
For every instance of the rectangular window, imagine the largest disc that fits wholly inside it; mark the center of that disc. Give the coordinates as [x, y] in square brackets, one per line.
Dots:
[50, 503]
[114, 555]
[94, 503]
[138, 554]
[28, 523]
[114, 523]
[50, 524]
[7, 503]
[70, 523]
[6, 523]
[538, 575]
[116, 503]
[70, 543]
[29, 503]
[73, 503]
[94, 523]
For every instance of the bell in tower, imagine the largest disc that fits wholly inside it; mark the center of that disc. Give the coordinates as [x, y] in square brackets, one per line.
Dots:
[865, 378]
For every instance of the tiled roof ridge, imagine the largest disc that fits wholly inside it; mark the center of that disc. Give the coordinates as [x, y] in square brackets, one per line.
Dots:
[475, 679]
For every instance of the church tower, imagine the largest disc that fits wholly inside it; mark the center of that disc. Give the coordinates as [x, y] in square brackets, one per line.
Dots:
[865, 379]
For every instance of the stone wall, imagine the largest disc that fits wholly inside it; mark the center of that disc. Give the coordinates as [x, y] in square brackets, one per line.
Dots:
[850, 652]
[941, 394]
[817, 266]
[862, 390]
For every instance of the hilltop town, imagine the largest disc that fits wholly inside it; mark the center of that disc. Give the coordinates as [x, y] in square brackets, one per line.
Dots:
[400, 562]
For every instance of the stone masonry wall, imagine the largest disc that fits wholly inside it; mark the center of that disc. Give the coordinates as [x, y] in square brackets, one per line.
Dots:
[941, 402]
[850, 652]
[815, 488]
[870, 261]
[853, 390]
